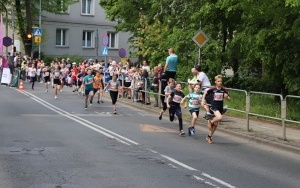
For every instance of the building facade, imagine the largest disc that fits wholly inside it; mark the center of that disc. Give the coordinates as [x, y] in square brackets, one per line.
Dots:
[79, 32]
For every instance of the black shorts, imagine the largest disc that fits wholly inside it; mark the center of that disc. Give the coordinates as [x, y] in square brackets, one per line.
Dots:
[169, 74]
[47, 79]
[213, 109]
[97, 89]
[127, 84]
[87, 91]
[56, 82]
[192, 111]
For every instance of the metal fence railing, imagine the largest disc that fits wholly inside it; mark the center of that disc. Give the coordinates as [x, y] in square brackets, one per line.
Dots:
[249, 95]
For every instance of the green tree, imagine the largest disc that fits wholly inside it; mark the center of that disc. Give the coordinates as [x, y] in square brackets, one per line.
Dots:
[27, 13]
[257, 39]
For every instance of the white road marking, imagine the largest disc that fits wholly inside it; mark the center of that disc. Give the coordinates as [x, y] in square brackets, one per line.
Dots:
[217, 180]
[206, 182]
[119, 138]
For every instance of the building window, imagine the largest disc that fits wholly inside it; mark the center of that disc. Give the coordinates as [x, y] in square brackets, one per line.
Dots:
[87, 39]
[61, 37]
[113, 37]
[87, 7]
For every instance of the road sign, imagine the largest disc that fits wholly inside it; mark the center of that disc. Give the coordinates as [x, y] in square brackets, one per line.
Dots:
[122, 53]
[7, 41]
[105, 50]
[37, 39]
[105, 40]
[200, 39]
[37, 32]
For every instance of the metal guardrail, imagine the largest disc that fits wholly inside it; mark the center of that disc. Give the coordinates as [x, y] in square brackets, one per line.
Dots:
[247, 111]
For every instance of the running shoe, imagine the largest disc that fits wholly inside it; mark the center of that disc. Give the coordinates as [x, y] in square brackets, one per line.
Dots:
[101, 101]
[225, 108]
[91, 102]
[209, 139]
[85, 107]
[115, 112]
[189, 131]
[98, 102]
[207, 115]
[55, 96]
[181, 133]
[192, 131]
[160, 117]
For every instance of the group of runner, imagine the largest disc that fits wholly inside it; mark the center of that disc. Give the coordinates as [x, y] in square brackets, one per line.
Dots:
[201, 93]
[89, 79]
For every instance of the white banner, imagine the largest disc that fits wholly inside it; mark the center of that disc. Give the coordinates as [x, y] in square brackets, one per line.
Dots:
[6, 76]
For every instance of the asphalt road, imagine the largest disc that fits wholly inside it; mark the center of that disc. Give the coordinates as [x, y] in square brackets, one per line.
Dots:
[56, 143]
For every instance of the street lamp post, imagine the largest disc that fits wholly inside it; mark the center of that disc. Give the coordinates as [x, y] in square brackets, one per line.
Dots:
[40, 25]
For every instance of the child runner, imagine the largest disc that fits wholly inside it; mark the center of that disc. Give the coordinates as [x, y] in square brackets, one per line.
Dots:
[174, 106]
[168, 90]
[32, 75]
[46, 73]
[218, 93]
[113, 86]
[98, 86]
[194, 102]
[88, 81]
[56, 80]
[79, 79]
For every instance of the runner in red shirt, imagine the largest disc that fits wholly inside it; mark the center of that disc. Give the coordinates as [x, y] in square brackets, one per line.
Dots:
[74, 73]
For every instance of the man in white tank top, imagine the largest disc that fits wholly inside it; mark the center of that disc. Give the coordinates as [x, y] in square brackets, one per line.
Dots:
[202, 78]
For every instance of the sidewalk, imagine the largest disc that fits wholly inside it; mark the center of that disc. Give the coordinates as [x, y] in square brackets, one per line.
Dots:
[260, 132]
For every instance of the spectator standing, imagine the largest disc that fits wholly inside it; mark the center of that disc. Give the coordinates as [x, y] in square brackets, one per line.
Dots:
[202, 78]
[171, 65]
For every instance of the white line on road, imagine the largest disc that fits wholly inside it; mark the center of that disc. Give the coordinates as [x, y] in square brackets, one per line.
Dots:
[206, 182]
[118, 137]
[178, 163]
[217, 180]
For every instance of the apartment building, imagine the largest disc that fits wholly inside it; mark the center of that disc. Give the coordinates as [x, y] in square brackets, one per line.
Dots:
[79, 32]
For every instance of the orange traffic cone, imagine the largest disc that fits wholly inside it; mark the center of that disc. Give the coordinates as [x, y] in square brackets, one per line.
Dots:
[21, 86]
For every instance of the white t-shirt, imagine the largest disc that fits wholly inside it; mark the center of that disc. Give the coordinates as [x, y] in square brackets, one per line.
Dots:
[31, 72]
[202, 77]
[146, 68]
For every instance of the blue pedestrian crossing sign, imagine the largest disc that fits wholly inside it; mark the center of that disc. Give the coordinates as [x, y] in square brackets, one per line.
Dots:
[37, 32]
[105, 50]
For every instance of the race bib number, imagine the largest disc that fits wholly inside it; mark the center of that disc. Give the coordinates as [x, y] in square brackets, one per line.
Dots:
[195, 103]
[113, 86]
[56, 74]
[177, 98]
[218, 97]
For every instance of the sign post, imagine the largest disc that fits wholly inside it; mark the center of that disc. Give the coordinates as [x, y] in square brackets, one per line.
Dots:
[200, 39]
[37, 33]
[7, 41]
[105, 40]
[122, 52]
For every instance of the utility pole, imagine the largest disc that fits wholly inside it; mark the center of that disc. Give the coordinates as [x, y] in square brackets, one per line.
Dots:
[199, 61]
[40, 25]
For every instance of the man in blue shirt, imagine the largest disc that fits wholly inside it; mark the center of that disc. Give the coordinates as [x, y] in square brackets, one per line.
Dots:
[171, 65]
